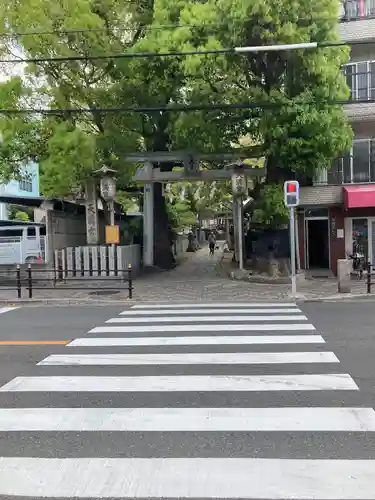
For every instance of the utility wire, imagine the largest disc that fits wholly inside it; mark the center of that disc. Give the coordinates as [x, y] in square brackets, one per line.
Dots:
[129, 55]
[149, 55]
[171, 108]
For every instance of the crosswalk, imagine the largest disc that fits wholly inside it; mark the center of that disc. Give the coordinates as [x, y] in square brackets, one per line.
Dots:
[225, 400]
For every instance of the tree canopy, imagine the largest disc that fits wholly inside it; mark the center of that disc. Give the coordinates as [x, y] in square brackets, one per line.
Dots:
[189, 202]
[304, 135]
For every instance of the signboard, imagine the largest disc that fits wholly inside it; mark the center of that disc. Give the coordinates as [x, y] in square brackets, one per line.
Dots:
[291, 193]
[239, 183]
[108, 188]
[112, 235]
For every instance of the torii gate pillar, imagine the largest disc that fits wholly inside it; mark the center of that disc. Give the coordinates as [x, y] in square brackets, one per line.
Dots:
[148, 219]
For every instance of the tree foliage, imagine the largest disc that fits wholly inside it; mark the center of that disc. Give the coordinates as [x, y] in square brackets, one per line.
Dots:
[270, 208]
[22, 216]
[299, 130]
[18, 212]
[190, 202]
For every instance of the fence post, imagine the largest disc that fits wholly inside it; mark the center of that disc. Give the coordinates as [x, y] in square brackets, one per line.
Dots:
[30, 281]
[368, 277]
[130, 281]
[19, 290]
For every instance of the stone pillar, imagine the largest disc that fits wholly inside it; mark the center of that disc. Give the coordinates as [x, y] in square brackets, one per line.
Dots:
[148, 220]
[343, 275]
[92, 220]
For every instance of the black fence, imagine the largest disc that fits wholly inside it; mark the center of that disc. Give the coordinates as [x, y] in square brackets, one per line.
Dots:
[33, 279]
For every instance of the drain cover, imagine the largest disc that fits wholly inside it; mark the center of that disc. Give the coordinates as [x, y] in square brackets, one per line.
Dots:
[104, 292]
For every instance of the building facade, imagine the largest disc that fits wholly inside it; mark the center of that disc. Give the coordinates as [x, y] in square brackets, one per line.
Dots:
[27, 187]
[337, 213]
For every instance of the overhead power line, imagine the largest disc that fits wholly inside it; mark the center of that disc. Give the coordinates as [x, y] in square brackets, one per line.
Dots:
[172, 108]
[135, 55]
[130, 55]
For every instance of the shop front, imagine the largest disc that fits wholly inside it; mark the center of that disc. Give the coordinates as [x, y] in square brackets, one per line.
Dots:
[327, 234]
[359, 205]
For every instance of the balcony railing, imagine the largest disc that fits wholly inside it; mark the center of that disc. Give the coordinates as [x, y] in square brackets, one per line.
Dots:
[356, 167]
[357, 9]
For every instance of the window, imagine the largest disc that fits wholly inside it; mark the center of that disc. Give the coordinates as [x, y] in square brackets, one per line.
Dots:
[360, 237]
[360, 78]
[334, 174]
[26, 185]
[316, 212]
[356, 166]
[361, 161]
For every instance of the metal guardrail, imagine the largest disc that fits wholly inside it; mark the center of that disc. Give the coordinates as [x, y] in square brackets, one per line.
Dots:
[34, 278]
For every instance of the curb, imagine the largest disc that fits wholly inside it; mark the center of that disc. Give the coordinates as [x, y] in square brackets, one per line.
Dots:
[339, 298]
[54, 302]
[128, 302]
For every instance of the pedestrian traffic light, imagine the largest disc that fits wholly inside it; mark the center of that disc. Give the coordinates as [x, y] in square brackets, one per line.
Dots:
[291, 193]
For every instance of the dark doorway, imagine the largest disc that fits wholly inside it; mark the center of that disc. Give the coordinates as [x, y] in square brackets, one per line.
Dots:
[317, 243]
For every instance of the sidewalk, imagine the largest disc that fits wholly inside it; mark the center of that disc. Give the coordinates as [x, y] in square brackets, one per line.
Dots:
[198, 278]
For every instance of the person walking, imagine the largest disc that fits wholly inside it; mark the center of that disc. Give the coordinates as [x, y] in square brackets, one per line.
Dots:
[211, 243]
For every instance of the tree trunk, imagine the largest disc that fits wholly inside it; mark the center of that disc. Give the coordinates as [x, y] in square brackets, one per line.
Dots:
[275, 173]
[163, 254]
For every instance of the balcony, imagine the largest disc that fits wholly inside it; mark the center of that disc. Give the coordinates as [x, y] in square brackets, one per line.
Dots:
[356, 167]
[363, 13]
[352, 10]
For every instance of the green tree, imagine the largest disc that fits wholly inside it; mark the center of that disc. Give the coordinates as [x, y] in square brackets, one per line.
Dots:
[302, 136]
[18, 212]
[22, 216]
[69, 146]
[299, 131]
[270, 209]
[200, 199]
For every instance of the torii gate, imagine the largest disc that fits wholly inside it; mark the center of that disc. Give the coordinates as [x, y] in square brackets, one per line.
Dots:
[148, 175]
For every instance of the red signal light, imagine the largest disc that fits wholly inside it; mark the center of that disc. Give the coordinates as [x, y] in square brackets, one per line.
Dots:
[291, 188]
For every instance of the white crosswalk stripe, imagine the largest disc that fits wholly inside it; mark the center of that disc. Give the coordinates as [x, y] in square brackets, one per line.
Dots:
[216, 311]
[217, 400]
[208, 319]
[190, 383]
[214, 340]
[4, 310]
[216, 327]
[221, 358]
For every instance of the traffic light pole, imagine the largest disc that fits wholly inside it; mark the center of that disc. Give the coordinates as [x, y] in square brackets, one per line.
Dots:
[292, 250]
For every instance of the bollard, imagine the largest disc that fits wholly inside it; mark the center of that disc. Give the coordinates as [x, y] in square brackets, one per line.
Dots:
[368, 277]
[30, 281]
[18, 279]
[343, 275]
[130, 281]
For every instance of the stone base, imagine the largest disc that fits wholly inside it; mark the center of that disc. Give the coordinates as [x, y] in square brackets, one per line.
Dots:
[270, 266]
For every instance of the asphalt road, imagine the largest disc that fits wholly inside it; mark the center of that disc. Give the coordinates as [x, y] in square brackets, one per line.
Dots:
[348, 329]
[44, 325]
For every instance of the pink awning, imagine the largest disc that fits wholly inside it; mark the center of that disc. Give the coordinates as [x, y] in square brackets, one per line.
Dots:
[359, 196]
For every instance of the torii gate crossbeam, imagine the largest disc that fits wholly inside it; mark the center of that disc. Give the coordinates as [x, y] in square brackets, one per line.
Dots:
[148, 175]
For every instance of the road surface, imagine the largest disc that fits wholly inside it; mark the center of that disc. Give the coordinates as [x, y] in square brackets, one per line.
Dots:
[227, 400]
